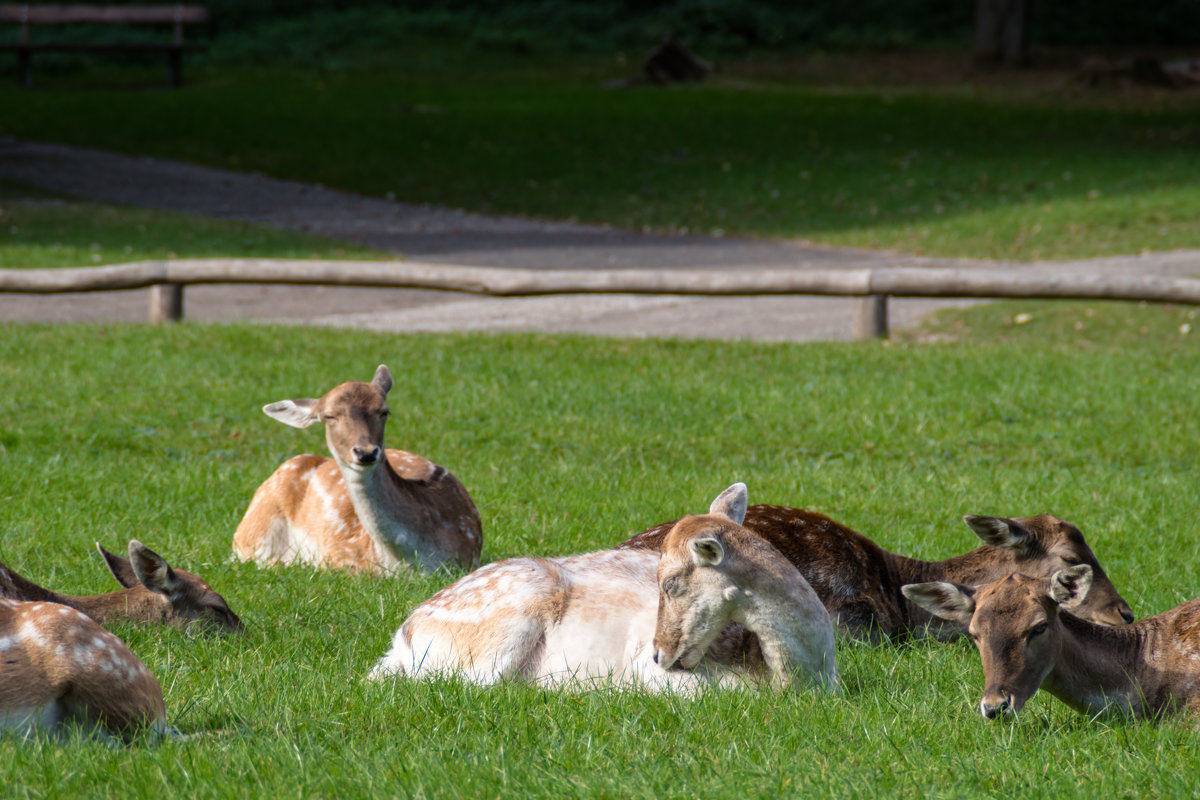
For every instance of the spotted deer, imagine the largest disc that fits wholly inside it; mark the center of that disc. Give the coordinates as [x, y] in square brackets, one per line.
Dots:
[713, 572]
[859, 582]
[585, 620]
[1029, 637]
[154, 593]
[59, 670]
[367, 509]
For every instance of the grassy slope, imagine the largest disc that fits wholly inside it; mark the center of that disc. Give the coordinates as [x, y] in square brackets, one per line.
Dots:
[38, 229]
[568, 444]
[942, 172]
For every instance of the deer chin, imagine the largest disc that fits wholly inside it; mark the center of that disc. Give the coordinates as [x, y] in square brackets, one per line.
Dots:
[688, 659]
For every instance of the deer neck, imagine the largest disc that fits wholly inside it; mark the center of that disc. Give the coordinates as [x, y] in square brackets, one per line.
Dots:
[783, 615]
[388, 513]
[1097, 668]
[136, 604]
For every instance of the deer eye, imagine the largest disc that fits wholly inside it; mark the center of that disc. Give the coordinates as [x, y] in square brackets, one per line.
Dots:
[669, 586]
[1036, 630]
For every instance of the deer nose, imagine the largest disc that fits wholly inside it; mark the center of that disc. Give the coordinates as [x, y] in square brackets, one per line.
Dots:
[366, 455]
[1127, 615]
[992, 708]
[655, 656]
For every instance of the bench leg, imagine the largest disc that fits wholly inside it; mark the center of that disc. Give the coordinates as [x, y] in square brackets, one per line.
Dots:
[25, 68]
[174, 68]
[166, 303]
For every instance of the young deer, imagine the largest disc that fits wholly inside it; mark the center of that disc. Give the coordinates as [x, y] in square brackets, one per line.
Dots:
[154, 593]
[59, 669]
[367, 509]
[713, 572]
[581, 620]
[1029, 637]
[859, 582]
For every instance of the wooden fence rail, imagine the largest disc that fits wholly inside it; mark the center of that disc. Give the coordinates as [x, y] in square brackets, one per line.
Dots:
[874, 284]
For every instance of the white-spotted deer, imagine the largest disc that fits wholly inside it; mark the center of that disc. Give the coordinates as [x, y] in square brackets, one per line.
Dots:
[367, 509]
[59, 670]
[154, 593]
[859, 582]
[1029, 638]
[713, 572]
[583, 620]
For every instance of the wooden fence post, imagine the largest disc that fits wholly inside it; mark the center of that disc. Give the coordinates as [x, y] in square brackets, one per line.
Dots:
[871, 319]
[166, 303]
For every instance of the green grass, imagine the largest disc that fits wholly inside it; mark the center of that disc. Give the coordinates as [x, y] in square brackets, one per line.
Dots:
[39, 229]
[570, 443]
[964, 171]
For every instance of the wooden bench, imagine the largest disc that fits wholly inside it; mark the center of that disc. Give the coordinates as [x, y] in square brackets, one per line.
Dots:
[27, 16]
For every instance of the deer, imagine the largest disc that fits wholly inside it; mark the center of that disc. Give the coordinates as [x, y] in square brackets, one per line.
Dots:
[590, 620]
[1029, 637]
[60, 671]
[154, 594]
[367, 509]
[859, 582]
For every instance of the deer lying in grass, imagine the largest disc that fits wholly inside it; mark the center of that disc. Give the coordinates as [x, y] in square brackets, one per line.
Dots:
[154, 593]
[859, 582]
[367, 509]
[1029, 638]
[591, 619]
[59, 669]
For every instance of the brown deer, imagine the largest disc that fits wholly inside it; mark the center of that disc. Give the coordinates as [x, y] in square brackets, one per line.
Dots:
[713, 572]
[1029, 638]
[589, 620]
[59, 670]
[367, 509]
[859, 582]
[154, 593]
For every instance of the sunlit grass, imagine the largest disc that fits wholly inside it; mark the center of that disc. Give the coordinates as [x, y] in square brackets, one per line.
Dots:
[571, 443]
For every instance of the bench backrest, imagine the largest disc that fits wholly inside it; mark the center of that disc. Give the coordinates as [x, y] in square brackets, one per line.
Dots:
[77, 15]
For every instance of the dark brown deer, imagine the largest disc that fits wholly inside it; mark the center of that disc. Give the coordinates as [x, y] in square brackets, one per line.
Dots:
[367, 509]
[154, 593]
[859, 582]
[1029, 638]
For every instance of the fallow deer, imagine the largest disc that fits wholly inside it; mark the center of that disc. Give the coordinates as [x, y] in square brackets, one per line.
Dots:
[859, 582]
[154, 593]
[1029, 637]
[367, 509]
[713, 572]
[582, 620]
[60, 670]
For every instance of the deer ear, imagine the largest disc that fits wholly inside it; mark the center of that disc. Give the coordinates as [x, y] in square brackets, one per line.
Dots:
[1069, 587]
[152, 571]
[943, 599]
[120, 568]
[707, 552]
[999, 532]
[382, 379]
[297, 413]
[731, 503]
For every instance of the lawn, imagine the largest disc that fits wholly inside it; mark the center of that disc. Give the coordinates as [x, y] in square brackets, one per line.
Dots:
[571, 443]
[1048, 172]
[41, 229]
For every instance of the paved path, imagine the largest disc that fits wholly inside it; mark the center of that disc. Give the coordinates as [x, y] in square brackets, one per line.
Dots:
[443, 235]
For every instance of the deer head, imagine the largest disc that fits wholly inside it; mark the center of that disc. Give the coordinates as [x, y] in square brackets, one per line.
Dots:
[1015, 625]
[354, 415]
[1044, 545]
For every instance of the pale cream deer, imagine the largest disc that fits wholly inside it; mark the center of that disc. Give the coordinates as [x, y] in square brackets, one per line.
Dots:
[1029, 638]
[713, 572]
[367, 509]
[586, 620]
[154, 593]
[859, 582]
[59, 671]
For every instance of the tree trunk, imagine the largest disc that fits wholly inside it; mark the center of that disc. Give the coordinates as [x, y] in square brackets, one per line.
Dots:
[1002, 33]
